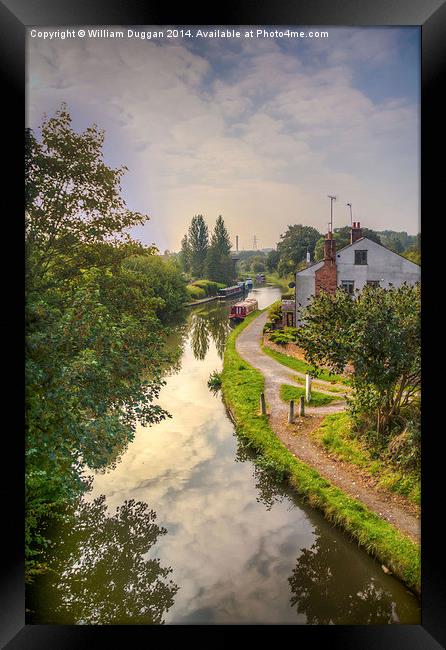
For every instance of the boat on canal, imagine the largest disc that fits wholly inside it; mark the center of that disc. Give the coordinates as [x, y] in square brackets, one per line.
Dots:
[231, 292]
[240, 310]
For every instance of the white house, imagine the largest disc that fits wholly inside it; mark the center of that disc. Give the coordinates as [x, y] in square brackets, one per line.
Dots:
[363, 262]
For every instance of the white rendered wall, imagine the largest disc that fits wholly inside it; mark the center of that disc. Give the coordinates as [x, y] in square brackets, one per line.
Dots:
[383, 265]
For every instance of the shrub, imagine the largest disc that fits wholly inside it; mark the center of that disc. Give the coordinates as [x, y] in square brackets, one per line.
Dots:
[209, 286]
[195, 292]
[282, 337]
[275, 312]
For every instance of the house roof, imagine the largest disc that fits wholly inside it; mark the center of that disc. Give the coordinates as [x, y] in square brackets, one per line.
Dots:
[349, 245]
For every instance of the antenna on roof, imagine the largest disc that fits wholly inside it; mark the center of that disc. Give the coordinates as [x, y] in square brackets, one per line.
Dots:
[332, 198]
[349, 205]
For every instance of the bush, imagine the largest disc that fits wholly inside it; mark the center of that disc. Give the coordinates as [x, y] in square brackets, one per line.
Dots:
[209, 286]
[195, 292]
[282, 337]
[275, 312]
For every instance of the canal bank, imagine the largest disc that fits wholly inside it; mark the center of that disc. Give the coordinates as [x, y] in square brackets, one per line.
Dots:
[241, 545]
[242, 385]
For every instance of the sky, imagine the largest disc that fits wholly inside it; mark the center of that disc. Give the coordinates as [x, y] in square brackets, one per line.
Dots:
[258, 130]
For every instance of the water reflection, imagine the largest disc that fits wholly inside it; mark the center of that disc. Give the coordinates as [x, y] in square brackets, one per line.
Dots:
[328, 590]
[101, 572]
[269, 489]
[330, 584]
[206, 324]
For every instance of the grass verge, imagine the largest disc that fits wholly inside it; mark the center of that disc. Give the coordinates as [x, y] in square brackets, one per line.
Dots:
[302, 366]
[241, 387]
[288, 392]
[336, 436]
[274, 278]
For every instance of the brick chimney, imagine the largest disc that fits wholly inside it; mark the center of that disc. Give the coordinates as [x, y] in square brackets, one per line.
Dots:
[356, 232]
[325, 277]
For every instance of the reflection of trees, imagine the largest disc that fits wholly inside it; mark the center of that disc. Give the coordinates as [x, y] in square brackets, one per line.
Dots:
[219, 328]
[329, 590]
[332, 583]
[100, 574]
[199, 336]
[209, 322]
[269, 489]
[175, 348]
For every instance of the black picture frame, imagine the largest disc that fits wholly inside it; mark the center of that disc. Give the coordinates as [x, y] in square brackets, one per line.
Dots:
[430, 15]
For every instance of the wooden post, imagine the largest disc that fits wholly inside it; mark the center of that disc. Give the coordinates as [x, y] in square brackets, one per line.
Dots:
[302, 407]
[307, 388]
[291, 412]
[262, 404]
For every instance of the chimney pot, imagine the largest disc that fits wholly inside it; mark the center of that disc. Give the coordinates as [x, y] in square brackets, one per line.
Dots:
[356, 232]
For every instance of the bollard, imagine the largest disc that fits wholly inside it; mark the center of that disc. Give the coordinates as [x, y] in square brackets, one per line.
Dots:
[262, 404]
[291, 412]
[307, 388]
[302, 407]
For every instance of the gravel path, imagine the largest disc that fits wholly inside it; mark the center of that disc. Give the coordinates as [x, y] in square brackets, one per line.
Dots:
[392, 507]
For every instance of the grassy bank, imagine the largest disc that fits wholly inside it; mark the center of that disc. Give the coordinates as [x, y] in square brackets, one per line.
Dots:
[241, 386]
[335, 436]
[302, 366]
[288, 392]
[274, 278]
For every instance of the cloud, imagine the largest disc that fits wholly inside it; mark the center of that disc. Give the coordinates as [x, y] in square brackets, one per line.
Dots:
[252, 130]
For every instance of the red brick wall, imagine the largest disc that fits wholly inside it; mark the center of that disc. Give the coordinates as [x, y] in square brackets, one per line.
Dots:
[356, 232]
[325, 278]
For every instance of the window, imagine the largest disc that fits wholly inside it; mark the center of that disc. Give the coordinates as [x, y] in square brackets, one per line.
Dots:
[348, 286]
[373, 283]
[360, 257]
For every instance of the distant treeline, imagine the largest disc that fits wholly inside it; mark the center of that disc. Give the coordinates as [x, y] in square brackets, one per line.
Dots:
[291, 251]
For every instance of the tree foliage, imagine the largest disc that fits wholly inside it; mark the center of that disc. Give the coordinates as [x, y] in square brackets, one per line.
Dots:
[198, 238]
[185, 254]
[292, 247]
[342, 238]
[72, 197]
[378, 333]
[96, 308]
[272, 260]
[219, 265]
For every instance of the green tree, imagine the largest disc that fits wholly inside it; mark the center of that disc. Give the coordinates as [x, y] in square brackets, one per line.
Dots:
[93, 323]
[256, 263]
[72, 197]
[292, 248]
[219, 265]
[165, 281]
[198, 238]
[413, 252]
[272, 260]
[185, 254]
[378, 333]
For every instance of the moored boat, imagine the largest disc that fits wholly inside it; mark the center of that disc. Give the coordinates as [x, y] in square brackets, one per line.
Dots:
[241, 309]
[230, 292]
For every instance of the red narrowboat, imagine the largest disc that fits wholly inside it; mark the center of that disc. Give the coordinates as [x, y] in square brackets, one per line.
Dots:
[240, 310]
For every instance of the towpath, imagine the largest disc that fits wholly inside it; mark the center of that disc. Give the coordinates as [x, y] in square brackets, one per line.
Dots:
[297, 436]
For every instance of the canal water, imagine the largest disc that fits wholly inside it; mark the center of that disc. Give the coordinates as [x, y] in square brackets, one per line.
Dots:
[185, 527]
